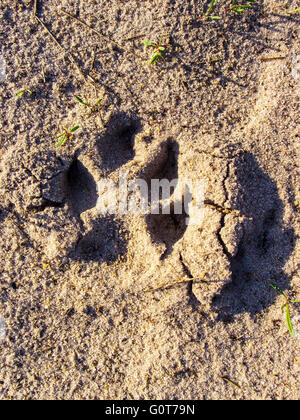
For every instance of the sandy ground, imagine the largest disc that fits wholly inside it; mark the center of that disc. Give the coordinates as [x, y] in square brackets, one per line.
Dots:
[79, 318]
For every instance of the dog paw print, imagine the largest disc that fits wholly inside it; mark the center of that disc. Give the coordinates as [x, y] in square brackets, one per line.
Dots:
[227, 257]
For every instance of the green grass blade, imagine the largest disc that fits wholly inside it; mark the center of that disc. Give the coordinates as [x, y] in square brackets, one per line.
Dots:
[148, 44]
[277, 289]
[211, 7]
[74, 129]
[153, 59]
[283, 306]
[81, 101]
[158, 56]
[289, 322]
[244, 6]
[61, 142]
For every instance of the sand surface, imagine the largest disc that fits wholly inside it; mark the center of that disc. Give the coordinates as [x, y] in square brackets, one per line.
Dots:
[94, 306]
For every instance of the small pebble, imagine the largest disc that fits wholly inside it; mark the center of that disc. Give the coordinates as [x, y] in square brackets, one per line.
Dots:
[296, 67]
[2, 329]
[2, 68]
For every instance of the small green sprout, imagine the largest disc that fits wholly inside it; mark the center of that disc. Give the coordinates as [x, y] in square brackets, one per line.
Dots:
[81, 101]
[294, 11]
[236, 8]
[159, 48]
[66, 135]
[208, 14]
[240, 8]
[93, 109]
[286, 307]
[24, 90]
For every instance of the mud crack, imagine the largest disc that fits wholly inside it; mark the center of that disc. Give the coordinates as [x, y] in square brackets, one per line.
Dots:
[223, 214]
[193, 299]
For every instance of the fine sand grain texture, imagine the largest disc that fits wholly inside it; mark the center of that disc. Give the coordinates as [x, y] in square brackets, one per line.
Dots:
[132, 306]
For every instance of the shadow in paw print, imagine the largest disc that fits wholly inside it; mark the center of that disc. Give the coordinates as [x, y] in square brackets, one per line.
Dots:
[3, 214]
[105, 242]
[166, 228]
[81, 188]
[169, 168]
[264, 249]
[165, 164]
[116, 145]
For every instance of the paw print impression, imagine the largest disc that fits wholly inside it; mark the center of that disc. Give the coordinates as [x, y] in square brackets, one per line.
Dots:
[169, 228]
[81, 188]
[242, 243]
[103, 238]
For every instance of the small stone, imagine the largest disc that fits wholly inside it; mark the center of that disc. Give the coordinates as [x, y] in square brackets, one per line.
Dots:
[2, 68]
[2, 329]
[296, 67]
